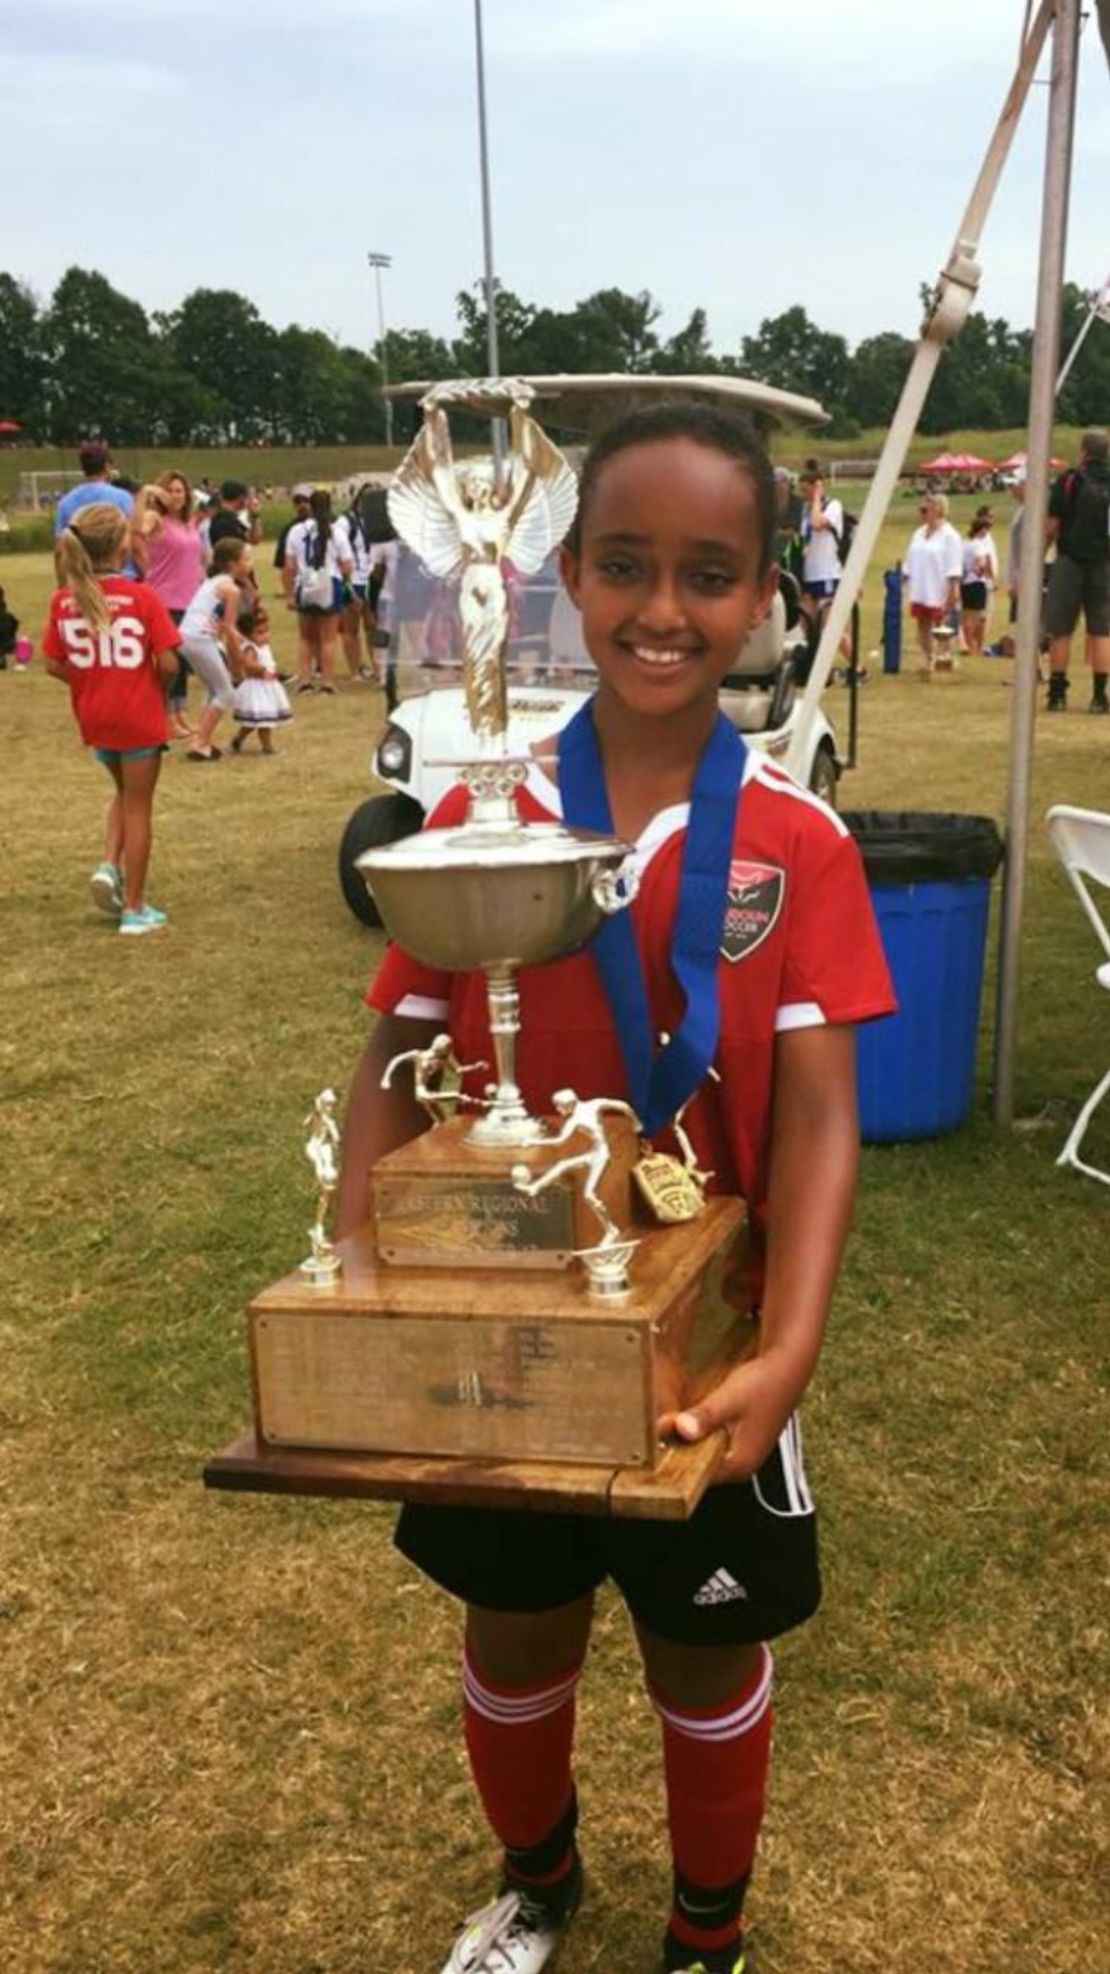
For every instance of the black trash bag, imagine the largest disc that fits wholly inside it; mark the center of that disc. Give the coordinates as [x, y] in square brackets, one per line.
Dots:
[909, 846]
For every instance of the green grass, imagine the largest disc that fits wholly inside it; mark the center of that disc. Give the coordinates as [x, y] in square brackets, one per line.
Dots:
[283, 466]
[229, 1724]
[277, 466]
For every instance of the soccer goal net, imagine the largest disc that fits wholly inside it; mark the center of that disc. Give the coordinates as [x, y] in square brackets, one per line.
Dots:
[38, 490]
[853, 469]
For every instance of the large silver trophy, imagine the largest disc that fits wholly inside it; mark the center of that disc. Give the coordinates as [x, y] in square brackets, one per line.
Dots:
[450, 1351]
[497, 893]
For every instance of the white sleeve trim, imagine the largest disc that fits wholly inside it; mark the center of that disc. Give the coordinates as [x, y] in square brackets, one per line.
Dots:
[421, 1007]
[794, 1014]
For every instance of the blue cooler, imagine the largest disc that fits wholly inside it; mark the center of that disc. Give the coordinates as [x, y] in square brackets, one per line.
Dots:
[930, 878]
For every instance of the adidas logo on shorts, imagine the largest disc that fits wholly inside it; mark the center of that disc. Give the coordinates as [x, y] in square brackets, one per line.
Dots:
[722, 1588]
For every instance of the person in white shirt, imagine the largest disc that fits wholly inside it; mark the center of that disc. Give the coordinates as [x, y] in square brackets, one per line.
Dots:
[354, 619]
[822, 530]
[932, 569]
[978, 580]
[318, 568]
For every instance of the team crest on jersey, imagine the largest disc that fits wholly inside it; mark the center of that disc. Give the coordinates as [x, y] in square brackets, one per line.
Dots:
[755, 895]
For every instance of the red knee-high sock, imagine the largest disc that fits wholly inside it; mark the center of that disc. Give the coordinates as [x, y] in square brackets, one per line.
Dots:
[519, 1739]
[716, 1761]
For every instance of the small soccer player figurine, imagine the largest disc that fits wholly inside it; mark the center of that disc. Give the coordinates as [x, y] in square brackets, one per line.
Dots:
[581, 1114]
[429, 1067]
[322, 1152]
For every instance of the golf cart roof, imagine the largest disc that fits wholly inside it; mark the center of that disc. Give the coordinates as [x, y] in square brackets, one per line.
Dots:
[597, 399]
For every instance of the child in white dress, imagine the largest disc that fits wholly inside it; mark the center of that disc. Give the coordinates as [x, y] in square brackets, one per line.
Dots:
[261, 701]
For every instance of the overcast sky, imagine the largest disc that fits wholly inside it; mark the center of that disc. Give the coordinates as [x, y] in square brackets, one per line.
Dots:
[740, 154]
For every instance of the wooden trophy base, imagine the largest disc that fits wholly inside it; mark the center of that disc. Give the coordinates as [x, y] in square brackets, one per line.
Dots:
[441, 1202]
[491, 1387]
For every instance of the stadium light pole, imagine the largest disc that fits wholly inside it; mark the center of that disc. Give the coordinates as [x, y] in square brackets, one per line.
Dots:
[493, 355]
[377, 262]
[499, 433]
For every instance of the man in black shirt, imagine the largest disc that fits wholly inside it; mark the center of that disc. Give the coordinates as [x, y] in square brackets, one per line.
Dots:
[236, 515]
[1079, 524]
[301, 511]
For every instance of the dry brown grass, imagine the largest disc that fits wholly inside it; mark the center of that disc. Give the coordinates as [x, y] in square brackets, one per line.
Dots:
[229, 1726]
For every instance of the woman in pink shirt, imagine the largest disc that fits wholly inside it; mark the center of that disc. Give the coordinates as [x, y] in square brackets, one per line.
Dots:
[168, 552]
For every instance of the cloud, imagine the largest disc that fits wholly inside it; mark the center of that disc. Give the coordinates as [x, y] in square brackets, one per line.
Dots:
[792, 36]
[69, 95]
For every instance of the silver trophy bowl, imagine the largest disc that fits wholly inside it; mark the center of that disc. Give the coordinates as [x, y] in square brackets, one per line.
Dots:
[497, 899]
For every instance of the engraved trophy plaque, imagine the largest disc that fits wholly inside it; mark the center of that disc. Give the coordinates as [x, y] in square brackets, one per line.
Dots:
[529, 1293]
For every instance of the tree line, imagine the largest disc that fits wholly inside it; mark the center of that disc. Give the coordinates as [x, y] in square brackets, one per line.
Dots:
[212, 371]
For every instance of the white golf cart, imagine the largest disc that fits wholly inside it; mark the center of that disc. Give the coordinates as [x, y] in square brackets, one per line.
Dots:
[549, 669]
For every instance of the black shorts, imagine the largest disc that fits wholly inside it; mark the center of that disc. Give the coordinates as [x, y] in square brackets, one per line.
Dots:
[1076, 586]
[973, 596]
[744, 1568]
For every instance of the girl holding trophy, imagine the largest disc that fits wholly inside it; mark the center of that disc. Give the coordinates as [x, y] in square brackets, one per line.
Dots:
[671, 564]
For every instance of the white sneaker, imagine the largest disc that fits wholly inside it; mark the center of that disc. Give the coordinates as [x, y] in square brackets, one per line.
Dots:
[513, 1934]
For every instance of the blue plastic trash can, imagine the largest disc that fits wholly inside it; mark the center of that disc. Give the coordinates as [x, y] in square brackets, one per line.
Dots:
[929, 877]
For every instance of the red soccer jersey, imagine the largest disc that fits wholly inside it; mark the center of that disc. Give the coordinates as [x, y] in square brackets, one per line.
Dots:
[117, 696]
[800, 947]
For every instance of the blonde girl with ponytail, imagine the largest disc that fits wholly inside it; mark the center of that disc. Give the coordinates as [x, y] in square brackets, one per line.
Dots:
[111, 640]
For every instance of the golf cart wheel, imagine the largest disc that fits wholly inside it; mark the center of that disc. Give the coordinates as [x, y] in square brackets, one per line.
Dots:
[382, 819]
[823, 779]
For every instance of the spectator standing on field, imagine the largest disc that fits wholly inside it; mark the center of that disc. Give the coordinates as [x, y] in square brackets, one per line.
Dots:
[788, 507]
[318, 568]
[1079, 524]
[9, 626]
[236, 515]
[355, 618]
[301, 497]
[978, 578]
[237, 518]
[166, 538]
[821, 530]
[94, 459]
[932, 571]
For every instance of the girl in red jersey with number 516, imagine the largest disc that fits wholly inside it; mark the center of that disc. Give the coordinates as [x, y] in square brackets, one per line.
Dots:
[113, 642]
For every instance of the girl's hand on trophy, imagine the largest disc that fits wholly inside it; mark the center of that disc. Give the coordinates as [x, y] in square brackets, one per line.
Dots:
[752, 1404]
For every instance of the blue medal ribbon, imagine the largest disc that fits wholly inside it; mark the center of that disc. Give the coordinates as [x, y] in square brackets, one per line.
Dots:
[659, 1083]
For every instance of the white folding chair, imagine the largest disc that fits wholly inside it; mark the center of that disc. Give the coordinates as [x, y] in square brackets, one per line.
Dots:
[1081, 840]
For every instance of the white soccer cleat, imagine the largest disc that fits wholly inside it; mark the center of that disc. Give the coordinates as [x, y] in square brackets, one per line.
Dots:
[514, 1934]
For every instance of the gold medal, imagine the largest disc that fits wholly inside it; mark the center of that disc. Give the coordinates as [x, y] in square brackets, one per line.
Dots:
[672, 1191]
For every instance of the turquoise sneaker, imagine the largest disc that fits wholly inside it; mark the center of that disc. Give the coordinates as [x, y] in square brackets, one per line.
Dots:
[106, 885]
[146, 919]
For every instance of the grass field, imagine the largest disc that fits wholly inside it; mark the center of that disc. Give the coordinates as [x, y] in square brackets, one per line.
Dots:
[230, 1725]
[283, 466]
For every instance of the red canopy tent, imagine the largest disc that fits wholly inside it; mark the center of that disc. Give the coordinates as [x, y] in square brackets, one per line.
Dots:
[1017, 460]
[956, 462]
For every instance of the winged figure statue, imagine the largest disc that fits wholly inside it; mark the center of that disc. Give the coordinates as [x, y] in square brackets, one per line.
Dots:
[470, 519]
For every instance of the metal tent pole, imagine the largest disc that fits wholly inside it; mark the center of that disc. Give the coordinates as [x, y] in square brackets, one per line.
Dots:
[1100, 306]
[1042, 407]
[955, 293]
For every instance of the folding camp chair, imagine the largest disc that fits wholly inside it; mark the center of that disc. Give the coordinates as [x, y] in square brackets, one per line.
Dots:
[1081, 840]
